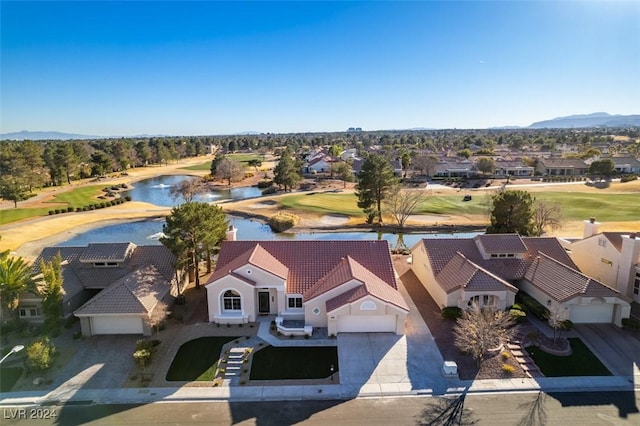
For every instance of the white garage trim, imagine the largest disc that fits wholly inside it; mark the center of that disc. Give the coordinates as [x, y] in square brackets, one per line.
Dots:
[116, 325]
[593, 313]
[367, 323]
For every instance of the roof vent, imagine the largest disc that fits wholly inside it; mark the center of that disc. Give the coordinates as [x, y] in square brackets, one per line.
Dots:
[592, 219]
[632, 236]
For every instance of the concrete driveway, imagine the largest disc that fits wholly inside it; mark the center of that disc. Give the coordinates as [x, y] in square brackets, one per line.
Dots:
[372, 364]
[102, 362]
[618, 349]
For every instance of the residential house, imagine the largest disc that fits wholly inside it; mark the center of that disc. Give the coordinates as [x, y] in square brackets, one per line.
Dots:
[345, 286]
[490, 269]
[610, 257]
[513, 168]
[349, 154]
[626, 164]
[457, 168]
[561, 166]
[113, 288]
[320, 164]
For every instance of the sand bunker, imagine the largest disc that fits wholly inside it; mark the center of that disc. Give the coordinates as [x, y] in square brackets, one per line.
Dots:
[263, 204]
[334, 219]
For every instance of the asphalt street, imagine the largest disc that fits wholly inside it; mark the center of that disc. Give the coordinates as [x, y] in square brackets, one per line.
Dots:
[585, 409]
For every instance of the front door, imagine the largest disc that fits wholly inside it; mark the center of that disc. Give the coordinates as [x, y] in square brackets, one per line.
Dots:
[263, 302]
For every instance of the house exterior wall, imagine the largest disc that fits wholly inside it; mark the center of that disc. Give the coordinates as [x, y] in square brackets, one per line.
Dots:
[315, 312]
[364, 308]
[247, 293]
[503, 298]
[597, 258]
[422, 268]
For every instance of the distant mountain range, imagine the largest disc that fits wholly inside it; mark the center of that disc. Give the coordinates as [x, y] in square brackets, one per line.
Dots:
[38, 136]
[597, 119]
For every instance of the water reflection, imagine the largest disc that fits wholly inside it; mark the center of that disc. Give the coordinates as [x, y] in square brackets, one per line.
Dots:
[158, 191]
[148, 232]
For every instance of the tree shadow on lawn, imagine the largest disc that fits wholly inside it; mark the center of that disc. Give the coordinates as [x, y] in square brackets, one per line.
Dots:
[197, 359]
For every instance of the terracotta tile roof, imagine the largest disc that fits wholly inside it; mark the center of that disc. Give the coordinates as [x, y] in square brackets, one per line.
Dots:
[501, 243]
[441, 250]
[563, 283]
[136, 293]
[257, 256]
[348, 269]
[309, 261]
[460, 272]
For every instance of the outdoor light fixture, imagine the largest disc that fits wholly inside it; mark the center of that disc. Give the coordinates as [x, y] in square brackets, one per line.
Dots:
[18, 348]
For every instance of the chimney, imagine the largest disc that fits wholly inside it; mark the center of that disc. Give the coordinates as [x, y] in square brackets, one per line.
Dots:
[232, 233]
[591, 227]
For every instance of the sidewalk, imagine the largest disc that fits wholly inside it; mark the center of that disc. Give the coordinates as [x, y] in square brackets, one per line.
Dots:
[318, 392]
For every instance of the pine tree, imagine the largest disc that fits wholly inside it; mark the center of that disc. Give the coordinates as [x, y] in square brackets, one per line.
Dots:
[375, 180]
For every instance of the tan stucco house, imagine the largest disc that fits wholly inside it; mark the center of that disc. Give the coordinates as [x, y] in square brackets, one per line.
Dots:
[344, 286]
[489, 270]
[610, 257]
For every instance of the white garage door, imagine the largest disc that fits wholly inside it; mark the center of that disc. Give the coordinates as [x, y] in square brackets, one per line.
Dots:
[116, 325]
[594, 313]
[366, 323]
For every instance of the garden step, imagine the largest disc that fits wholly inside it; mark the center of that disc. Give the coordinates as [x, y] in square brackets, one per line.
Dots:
[232, 362]
[232, 368]
[512, 346]
[229, 373]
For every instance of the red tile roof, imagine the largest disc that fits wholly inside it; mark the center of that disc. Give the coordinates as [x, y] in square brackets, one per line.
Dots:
[563, 283]
[347, 270]
[315, 267]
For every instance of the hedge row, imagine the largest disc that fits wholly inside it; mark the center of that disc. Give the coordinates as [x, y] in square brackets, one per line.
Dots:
[282, 221]
[95, 206]
[531, 305]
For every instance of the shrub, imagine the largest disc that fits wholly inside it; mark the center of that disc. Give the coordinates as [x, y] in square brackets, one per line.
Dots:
[517, 315]
[40, 354]
[532, 305]
[270, 190]
[142, 357]
[70, 209]
[630, 324]
[282, 221]
[451, 313]
[628, 178]
[265, 183]
[57, 211]
[50, 212]
[505, 355]
[127, 198]
[145, 344]
[508, 369]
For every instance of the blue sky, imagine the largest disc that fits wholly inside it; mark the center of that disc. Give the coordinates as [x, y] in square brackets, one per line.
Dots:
[126, 68]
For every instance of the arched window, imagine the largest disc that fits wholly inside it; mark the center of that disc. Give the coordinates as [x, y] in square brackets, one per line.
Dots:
[231, 301]
[368, 305]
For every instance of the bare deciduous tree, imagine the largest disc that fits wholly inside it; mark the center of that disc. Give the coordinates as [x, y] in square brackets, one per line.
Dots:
[401, 204]
[481, 329]
[157, 316]
[187, 190]
[230, 170]
[546, 216]
[559, 322]
[425, 164]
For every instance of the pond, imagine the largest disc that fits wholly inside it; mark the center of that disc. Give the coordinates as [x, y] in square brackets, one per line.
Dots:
[158, 191]
[147, 232]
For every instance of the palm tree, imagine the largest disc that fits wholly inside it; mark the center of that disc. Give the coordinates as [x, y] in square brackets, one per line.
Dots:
[15, 279]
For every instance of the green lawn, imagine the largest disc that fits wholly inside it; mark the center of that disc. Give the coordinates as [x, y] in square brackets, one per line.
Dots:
[8, 378]
[243, 158]
[206, 166]
[607, 207]
[327, 202]
[78, 197]
[279, 363]
[197, 360]
[581, 363]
